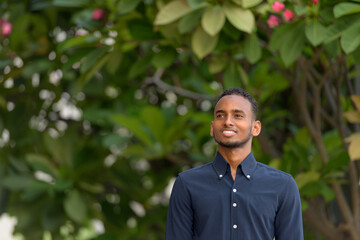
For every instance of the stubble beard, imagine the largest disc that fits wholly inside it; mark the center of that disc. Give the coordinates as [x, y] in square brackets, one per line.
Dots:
[237, 144]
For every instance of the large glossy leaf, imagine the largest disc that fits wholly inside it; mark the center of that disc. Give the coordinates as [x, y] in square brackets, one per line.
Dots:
[154, 119]
[290, 39]
[252, 49]
[350, 39]
[250, 3]
[171, 12]
[242, 19]
[75, 206]
[235, 76]
[125, 6]
[41, 163]
[134, 125]
[164, 58]
[315, 32]
[213, 20]
[202, 43]
[346, 8]
[307, 177]
[190, 21]
[340, 25]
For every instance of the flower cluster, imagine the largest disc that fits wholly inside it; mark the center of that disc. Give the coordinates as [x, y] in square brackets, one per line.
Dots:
[5, 27]
[278, 7]
[97, 14]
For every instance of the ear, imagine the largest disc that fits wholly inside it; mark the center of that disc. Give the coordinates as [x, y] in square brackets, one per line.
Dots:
[212, 129]
[256, 128]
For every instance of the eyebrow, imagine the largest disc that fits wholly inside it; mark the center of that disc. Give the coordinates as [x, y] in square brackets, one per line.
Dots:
[234, 110]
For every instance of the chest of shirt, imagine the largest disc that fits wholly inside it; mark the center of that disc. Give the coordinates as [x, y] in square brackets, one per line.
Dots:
[222, 197]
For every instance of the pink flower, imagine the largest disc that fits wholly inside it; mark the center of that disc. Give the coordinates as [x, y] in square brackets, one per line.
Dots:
[315, 1]
[273, 21]
[278, 6]
[6, 27]
[97, 14]
[288, 14]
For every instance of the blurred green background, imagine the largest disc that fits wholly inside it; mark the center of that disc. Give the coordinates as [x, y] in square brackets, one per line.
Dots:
[103, 102]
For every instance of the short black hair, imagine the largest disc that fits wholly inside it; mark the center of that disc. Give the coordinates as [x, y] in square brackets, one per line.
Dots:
[243, 93]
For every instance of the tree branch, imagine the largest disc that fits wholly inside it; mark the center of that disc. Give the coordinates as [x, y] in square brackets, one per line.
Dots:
[156, 80]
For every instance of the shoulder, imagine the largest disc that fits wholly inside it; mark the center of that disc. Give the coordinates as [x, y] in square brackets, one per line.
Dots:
[275, 177]
[273, 172]
[196, 172]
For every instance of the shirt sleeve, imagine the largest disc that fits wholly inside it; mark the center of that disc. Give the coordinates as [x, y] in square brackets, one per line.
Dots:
[288, 222]
[179, 223]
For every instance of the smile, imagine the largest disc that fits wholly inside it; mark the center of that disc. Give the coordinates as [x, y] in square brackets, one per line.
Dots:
[229, 133]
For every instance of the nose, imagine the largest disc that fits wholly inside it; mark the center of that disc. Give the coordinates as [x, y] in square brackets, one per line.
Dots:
[228, 121]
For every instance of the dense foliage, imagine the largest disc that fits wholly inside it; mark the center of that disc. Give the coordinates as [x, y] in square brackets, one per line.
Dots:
[102, 103]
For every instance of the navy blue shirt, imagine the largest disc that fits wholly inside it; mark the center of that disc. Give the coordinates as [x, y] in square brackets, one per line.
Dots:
[207, 204]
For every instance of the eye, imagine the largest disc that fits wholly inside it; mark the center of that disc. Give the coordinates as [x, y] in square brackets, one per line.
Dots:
[239, 116]
[219, 115]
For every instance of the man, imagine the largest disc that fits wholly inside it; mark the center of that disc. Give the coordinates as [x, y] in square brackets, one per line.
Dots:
[234, 197]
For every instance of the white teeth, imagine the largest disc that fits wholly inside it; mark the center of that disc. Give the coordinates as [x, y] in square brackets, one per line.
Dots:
[228, 131]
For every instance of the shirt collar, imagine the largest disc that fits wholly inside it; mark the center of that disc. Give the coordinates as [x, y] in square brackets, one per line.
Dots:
[247, 166]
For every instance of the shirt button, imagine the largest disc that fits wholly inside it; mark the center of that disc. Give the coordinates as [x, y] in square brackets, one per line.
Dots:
[235, 226]
[248, 176]
[234, 204]
[234, 190]
[220, 175]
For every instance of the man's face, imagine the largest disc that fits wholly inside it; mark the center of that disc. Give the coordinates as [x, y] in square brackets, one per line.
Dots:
[234, 124]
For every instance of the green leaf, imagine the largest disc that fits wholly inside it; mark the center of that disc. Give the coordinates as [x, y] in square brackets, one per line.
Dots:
[17, 182]
[189, 22]
[92, 58]
[154, 119]
[250, 3]
[114, 61]
[306, 177]
[81, 41]
[234, 76]
[242, 19]
[340, 25]
[315, 32]
[125, 6]
[91, 72]
[134, 125]
[196, 3]
[139, 66]
[141, 29]
[202, 43]
[171, 12]
[75, 206]
[217, 64]
[164, 58]
[350, 39]
[41, 163]
[252, 49]
[346, 8]
[290, 39]
[213, 20]
[70, 3]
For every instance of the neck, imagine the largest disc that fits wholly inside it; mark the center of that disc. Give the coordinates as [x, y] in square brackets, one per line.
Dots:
[234, 156]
